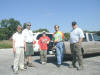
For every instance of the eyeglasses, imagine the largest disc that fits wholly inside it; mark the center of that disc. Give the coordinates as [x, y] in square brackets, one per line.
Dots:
[28, 25]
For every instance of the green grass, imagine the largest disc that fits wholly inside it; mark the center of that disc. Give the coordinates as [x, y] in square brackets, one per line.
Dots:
[5, 44]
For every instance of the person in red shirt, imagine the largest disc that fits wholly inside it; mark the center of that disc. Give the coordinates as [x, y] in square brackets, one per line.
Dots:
[43, 43]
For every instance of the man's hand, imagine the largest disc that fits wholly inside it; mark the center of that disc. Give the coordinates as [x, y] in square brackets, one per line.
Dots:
[14, 50]
[48, 42]
[79, 43]
[24, 49]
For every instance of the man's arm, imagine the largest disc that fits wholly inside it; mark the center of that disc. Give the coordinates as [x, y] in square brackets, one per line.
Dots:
[81, 37]
[80, 41]
[14, 49]
[24, 46]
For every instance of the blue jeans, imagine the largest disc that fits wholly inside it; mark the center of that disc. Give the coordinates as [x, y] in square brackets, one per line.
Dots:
[60, 47]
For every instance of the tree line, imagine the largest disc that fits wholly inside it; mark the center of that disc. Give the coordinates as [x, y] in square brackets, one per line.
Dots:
[8, 27]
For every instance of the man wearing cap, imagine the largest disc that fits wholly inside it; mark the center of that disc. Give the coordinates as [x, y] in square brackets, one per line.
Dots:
[76, 38]
[28, 36]
[58, 39]
[18, 49]
[43, 42]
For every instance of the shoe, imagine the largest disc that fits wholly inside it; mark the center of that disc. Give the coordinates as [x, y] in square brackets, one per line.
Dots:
[25, 66]
[72, 66]
[15, 72]
[23, 69]
[30, 65]
[80, 68]
[58, 65]
[43, 63]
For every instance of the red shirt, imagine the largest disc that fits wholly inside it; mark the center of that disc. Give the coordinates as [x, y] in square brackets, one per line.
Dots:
[43, 42]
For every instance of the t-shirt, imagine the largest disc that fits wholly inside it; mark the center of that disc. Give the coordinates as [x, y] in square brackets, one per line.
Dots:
[58, 36]
[75, 35]
[43, 42]
[28, 35]
[19, 39]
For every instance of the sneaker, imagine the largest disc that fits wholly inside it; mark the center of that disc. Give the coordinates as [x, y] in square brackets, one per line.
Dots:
[58, 65]
[80, 68]
[30, 65]
[15, 72]
[25, 66]
[23, 69]
[72, 66]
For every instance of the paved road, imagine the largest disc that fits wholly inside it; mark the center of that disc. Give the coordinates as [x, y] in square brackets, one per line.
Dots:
[91, 64]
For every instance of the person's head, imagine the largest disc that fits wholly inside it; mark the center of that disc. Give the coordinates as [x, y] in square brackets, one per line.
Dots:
[19, 29]
[56, 27]
[28, 25]
[74, 24]
[44, 34]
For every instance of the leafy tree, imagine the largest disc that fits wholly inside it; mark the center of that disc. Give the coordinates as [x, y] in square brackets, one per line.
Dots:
[98, 33]
[67, 36]
[41, 30]
[8, 27]
[24, 26]
[4, 23]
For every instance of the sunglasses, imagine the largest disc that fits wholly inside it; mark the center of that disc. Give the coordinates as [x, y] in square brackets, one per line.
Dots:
[28, 25]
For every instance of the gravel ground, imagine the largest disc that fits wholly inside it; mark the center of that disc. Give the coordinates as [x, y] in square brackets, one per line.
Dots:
[91, 66]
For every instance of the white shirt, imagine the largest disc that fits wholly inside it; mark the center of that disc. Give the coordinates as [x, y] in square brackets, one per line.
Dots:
[19, 40]
[75, 35]
[28, 35]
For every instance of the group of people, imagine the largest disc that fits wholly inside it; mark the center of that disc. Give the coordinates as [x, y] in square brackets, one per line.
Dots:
[23, 45]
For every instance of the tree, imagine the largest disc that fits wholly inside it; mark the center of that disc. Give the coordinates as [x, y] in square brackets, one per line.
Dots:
[41, 30]
[67, 36]
[24, 26]
[4, 23]
[8, 27]
[98, 33]
[13, 26]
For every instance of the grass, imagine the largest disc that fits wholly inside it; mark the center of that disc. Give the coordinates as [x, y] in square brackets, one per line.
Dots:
[5, 44]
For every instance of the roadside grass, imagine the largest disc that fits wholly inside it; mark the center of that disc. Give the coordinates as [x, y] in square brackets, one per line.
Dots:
[5, 44]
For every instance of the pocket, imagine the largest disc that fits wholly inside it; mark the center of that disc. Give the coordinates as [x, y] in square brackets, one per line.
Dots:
[77, 46]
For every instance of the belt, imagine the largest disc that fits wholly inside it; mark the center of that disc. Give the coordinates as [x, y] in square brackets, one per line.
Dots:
[74, 43]
[29, 42]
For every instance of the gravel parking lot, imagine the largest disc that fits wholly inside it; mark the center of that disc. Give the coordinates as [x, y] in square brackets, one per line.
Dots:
[91, 64]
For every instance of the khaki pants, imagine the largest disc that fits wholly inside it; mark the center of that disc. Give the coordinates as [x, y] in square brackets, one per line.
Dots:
[76, 54]
[19, 59]
[43, 55]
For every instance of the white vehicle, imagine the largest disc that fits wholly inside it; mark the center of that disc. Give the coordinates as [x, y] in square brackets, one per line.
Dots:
[36, 38]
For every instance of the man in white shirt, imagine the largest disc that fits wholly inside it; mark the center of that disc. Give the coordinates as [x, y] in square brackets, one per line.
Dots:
[76, 38]
[28, 36]
[18, 49]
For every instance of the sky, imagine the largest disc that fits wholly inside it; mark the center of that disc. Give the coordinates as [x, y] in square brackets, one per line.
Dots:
[47, 13]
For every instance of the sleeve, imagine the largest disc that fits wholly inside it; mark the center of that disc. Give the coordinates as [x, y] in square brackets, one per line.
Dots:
[32, 34]
[62, 35]
[81, 33]
[48, 38]
[13, 37]
[39, 42]
[34, 42]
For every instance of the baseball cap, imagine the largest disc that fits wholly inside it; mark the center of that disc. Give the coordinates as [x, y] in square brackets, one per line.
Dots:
[74, 23]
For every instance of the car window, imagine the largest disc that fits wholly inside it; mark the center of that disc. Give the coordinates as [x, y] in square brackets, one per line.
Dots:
[40, 35]
[84, 39]
[49, 35]
[96, 37]
[90, 37]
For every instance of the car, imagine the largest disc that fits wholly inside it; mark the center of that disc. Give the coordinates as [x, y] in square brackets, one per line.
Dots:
[90, 44]
[36, 37]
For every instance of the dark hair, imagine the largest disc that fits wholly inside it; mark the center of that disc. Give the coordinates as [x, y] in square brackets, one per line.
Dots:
[56, 25]
[74, 23]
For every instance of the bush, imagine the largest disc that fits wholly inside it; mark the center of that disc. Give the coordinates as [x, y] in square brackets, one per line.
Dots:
[5, 44]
